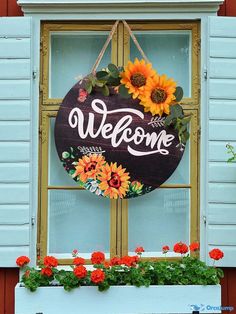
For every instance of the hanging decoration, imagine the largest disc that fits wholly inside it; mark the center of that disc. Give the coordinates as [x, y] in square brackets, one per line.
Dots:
[121, 132]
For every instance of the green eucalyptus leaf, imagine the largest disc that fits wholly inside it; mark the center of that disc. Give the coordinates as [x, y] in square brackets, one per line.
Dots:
[123, 91]
[101, 75]
[179, 93]
[112, 67]
[176, 111]
[100, 83]
[89, 87]
[105, 90]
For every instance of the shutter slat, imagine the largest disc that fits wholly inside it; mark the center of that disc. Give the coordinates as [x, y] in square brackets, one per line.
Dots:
[15, 138]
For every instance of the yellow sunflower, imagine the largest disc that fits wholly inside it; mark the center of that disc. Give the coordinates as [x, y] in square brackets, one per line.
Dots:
[88, 166]
[135, 76]
[114, 180]
[158, 95]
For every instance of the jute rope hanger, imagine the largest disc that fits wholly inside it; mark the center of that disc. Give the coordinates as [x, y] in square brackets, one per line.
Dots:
[114, 27]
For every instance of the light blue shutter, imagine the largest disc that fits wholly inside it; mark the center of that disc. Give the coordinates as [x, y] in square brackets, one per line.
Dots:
[15, 94]
[221, 209]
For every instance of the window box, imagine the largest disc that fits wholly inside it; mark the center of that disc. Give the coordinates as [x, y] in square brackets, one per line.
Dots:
[119, 299]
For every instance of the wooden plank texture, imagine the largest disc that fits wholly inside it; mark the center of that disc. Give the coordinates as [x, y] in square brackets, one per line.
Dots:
[14, 131]
[14, 151]
[14, 89]
[14, 110]
[222, 109]
[222, 27]
[222, 130]
[9, 254]
[222, 88]
[222, 235]
[14, 193]
[14, 172]
[14, 214]
[222, 68]
[222, 214]
[14, 69]
[7, 48]
[218, 151]
[14, 235]
[12, 277]
[222, 172]
[222, 193]
[17, 27]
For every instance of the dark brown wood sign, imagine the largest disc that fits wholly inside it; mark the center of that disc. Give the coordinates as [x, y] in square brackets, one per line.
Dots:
[111, 147]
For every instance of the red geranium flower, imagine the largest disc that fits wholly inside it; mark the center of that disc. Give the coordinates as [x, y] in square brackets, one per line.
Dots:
[139, 250]
[50, 261]
[181, 248]
[97, 257]
[80, 271]
[115, 261]
[129, 260]
[79, 261]
[21, 261]
[47, 271]
[165, 249]
[194, 246]
[97, 276]
[216, 254]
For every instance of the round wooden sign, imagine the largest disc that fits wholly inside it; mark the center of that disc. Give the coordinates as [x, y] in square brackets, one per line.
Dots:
[111, 147]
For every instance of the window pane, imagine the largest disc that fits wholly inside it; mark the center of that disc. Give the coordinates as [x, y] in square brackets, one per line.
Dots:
[160, 218]
[78, 220]
[57, 175]
[169, 52]
[72, 56]
[181, 174]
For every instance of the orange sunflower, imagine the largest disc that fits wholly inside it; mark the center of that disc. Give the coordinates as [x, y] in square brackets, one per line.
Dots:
[88, 166]
[135, 76]
[114, 180]
[158, 95]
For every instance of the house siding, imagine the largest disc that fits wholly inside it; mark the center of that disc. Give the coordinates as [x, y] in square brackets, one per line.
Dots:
[10, 276]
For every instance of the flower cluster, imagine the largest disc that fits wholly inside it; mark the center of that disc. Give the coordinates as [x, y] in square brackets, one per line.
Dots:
[100, 177]
[156, 92]
[126, 270]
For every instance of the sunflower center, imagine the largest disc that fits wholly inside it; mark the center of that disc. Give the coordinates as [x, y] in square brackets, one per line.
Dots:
[158, 95]
[114, 182]
[90, 166]
[138, 79]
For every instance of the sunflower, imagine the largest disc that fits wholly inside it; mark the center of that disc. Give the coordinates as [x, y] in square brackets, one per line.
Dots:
[114, 180]
[158, 95]
[88, 166]
[135, 76]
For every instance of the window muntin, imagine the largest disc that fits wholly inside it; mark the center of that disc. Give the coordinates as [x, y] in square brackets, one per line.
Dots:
[185, 178]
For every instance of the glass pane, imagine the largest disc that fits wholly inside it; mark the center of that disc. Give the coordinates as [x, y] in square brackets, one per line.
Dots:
[78, 220]
[57, 175]
[159, 218]
[169, 52]
[72, 56]
[182, 172]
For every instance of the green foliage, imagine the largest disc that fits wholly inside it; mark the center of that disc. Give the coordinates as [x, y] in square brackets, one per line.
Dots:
[179, 121]
[179, 93]
[186, 271]
[230, 150]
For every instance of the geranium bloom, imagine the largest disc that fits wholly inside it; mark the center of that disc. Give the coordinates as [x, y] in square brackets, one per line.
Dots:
[181, 248]
[165, 249]
[21, 261]
[194, 246]
[50, 261]
[80, 271]
[114, 180]
[158, 95]
[78, 261]
[135, 76]
[115, 261]
[97, 257]
[139, 250]
[216, 254]
[47, 271]
[129, 260]
[88, 166]
[97, 276]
